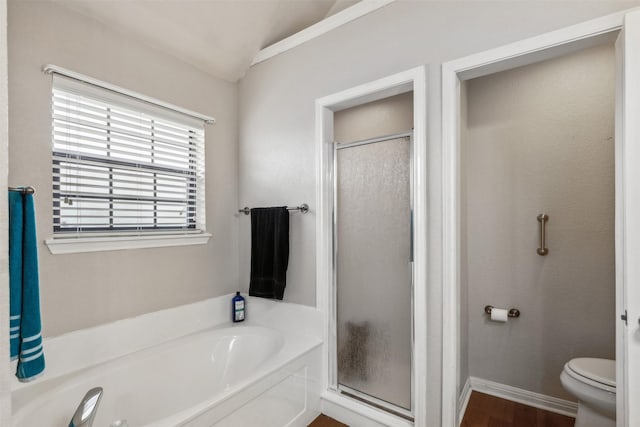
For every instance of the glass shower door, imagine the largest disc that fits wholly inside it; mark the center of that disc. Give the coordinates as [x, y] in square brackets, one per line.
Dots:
[374, 272]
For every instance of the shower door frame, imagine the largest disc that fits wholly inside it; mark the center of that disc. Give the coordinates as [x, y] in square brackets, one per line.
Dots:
[337, 146]
[547, 46]
[415, 81]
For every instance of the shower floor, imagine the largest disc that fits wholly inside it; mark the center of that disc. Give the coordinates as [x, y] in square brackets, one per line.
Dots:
[484, 410]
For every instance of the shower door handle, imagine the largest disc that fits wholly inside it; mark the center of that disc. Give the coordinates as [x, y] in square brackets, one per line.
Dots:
[542, 219]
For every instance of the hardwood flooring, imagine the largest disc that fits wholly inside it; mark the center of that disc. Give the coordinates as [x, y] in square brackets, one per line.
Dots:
[489, 411]
[324, 421]
[484, 410]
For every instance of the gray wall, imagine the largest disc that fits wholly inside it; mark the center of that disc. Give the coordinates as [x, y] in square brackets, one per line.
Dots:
[540, 139]
[83, 290]
[276, 98]
[383, 117]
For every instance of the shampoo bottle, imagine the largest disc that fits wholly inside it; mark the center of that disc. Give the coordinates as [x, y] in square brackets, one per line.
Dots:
[237, 308]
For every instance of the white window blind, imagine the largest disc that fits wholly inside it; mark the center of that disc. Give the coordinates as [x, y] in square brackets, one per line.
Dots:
[123, 165]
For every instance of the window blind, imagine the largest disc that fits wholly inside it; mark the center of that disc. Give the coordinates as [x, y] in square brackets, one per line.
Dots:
[123, 165]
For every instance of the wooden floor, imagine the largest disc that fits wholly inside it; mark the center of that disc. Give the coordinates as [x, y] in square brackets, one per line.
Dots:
[488, 411]
[324, 421]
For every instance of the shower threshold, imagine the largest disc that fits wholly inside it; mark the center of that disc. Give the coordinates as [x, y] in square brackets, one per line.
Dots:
[375, 402]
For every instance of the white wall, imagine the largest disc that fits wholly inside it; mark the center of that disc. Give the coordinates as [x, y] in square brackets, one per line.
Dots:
[540, 139]
[5, 393]
[276, 99]
[83, 290]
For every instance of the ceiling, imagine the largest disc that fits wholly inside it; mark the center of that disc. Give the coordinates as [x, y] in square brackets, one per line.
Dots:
[220, 37]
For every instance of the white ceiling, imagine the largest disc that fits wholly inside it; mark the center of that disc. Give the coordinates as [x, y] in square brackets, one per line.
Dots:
[220, 37]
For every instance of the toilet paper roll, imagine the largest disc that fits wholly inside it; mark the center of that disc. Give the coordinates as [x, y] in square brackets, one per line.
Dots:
[499, 314]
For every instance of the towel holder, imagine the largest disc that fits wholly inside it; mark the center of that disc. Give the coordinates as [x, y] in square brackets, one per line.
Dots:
[24, 190]
[303, 208]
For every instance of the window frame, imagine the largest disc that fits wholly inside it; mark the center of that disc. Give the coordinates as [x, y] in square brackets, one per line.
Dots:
[76, 239]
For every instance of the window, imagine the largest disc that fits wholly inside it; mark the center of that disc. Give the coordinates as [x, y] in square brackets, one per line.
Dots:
[123, 166]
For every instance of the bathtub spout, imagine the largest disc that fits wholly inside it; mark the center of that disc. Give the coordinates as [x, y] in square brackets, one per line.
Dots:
[87, 409]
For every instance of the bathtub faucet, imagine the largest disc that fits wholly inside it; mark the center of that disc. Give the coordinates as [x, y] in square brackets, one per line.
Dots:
[87, 409]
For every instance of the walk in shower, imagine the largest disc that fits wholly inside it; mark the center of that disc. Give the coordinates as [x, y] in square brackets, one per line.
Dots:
[374, 270]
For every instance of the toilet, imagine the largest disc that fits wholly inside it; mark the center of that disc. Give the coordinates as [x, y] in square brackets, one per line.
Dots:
[593, 382]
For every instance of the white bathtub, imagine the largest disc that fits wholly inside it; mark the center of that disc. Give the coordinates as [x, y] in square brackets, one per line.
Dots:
[240, 375]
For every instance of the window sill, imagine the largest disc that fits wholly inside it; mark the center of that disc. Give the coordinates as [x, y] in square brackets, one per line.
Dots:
[72, 245]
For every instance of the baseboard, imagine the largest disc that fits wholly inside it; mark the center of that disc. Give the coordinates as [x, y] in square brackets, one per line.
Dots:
[537, 400]
[463, 400]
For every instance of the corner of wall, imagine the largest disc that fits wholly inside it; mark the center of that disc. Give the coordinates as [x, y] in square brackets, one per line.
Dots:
[5, 392]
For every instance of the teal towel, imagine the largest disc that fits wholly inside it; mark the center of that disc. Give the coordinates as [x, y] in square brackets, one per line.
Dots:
[24, 293]
[16, 216]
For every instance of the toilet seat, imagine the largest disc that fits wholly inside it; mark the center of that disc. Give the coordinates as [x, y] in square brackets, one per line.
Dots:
[599, 373]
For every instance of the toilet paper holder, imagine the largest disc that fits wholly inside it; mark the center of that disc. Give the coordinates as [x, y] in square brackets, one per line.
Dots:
[513, 312]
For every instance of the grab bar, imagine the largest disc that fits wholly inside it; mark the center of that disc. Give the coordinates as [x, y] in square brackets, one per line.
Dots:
[542, 219]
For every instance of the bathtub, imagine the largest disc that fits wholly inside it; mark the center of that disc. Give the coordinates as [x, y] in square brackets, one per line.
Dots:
[230, 375]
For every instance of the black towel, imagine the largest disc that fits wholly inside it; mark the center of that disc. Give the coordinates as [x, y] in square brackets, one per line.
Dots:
[269, 252]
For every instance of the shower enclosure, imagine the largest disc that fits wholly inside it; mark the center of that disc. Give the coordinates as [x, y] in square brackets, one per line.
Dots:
[373, 252]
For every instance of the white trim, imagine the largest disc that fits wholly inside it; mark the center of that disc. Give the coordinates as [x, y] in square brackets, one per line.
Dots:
[54, 69]
[421, 251]
[621, 335]
[529, 398]
[512, 55]
[539, 48]
[628, 229]
[59, 246]
[345, 16]
[414, 80]
[324, 234]
[353, 412]
[347, 392]
[463, 400]
[450, 258]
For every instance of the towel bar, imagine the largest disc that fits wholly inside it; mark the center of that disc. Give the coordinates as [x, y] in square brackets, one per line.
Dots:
[303, 208]
[23, 190]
